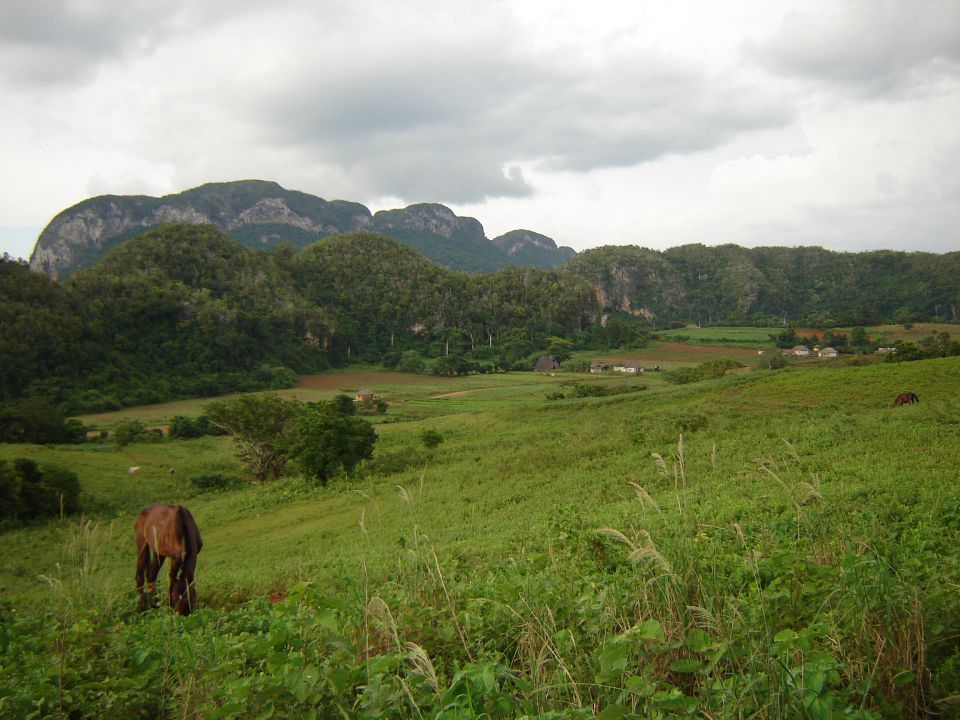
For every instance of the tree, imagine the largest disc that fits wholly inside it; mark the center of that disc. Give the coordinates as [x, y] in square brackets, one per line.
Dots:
[858, 339]
[560, 348]
[327, 440]
[410, 362]
[262, 427]
[450, 365]
[35, 420]
[29, 491]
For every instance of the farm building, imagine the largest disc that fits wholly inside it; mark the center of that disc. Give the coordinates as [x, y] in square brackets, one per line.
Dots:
[828, 352]
[798, 351]
[547, 363]
[630, 369]
[363, 396]
[599, 367]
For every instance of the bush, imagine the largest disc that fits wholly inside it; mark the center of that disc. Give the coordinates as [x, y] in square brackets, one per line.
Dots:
[35, 420]
[184, 428]
[410, 362]
[393, 461]
[28, 491]
[214, 481]
[430, 438]
[129, 431]
[705, 371]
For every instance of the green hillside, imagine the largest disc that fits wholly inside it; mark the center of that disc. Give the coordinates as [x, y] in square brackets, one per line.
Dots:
[770, 544]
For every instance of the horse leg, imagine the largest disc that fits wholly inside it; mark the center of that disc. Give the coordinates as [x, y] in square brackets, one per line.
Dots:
[153, 570]
[143, 557]
[174, 592]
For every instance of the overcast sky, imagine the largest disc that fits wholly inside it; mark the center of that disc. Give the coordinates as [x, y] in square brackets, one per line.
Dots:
[653, 123]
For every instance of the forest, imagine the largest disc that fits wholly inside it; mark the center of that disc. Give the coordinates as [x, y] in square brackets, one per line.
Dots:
[185, 311]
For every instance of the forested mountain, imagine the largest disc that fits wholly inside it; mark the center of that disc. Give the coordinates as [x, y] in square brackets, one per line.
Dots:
[261, 215]
[772, 285]
[184, 310]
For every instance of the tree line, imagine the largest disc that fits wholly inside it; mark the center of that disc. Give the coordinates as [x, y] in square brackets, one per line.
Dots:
[184, 311]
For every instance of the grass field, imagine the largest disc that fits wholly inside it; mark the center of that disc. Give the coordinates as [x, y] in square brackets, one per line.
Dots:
[770, 544]
[749, 337]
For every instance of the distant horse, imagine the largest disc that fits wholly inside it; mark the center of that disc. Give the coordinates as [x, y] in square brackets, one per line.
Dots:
[167, 531]
[907, 398]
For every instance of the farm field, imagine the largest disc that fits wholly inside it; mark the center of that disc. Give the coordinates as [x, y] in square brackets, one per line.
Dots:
[751, 337]
[769, 544]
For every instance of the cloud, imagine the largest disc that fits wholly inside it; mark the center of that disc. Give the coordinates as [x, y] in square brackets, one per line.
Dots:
[440, 110]
[874, 48]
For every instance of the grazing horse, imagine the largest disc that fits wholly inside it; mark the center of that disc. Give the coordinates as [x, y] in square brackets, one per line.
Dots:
[167, 531]
[907, 398]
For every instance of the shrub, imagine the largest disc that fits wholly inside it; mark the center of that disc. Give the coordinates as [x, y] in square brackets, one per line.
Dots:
[28, 491]
[214, 481]
[184, 428]
[705, 371]
[410, 362]
[35, 420]
[130, 431]
[393, 461]
[430, 438]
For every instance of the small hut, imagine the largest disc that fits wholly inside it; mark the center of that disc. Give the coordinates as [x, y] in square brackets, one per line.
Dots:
[547, 363]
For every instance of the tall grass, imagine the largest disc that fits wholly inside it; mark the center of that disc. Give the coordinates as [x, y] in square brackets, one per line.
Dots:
[768, 546]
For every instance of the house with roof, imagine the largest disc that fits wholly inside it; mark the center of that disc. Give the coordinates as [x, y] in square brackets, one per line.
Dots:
[629, 369]
[828, 352]
[798, 351]
[547, 363]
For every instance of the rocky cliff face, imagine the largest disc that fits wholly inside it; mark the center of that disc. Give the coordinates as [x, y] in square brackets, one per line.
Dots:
[262, 214]
[428, 218]
[632, 280]
[82, 234]
[531, 248]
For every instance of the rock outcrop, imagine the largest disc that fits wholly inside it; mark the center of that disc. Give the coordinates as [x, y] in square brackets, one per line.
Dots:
[263, 214]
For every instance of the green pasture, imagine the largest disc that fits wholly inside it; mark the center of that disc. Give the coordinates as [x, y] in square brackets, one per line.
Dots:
[770, 544]
[752, 337]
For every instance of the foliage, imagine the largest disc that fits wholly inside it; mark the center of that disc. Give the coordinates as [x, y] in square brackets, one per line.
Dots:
[771, 361]
[262, 427]
[34, 420]
[705, 371]
[131, 431]
[410, 362]
[214, 481]
[29, 491]
[449, 366]
[430, 438]
[326, 440]
[182, 427]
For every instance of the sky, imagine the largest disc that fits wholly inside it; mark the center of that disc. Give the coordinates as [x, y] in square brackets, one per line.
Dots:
[755, 122]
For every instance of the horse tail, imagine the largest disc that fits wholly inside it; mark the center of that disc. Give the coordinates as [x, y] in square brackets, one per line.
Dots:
[191, 534]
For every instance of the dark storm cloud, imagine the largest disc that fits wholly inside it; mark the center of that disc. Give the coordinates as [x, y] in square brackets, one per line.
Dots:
[875, 48]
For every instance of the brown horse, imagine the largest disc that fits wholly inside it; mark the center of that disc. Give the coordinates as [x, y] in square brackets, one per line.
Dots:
[167, 531]
[907, 398]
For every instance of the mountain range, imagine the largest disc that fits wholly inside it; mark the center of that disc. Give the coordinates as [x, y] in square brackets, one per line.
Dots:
[262, 215]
